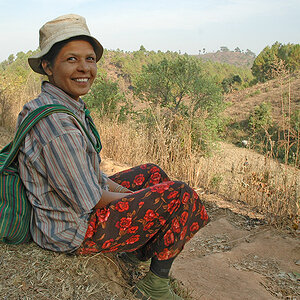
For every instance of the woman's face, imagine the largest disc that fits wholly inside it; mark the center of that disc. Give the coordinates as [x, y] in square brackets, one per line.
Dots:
[74, 68]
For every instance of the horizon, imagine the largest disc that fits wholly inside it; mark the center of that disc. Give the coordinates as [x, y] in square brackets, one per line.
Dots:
[160, 25]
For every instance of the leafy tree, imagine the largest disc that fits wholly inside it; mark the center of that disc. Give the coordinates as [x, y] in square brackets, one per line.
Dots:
[250, 53]
[271, 61]
[224, 49]
[261, 118]
[228, 83]
[105, 97]
[237, 49]
[142, 48]
[183, 90]
[168, 82]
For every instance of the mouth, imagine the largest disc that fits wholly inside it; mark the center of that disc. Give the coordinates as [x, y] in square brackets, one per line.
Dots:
[81, 80]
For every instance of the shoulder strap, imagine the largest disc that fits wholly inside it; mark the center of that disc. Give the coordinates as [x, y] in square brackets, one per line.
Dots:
[33, 118]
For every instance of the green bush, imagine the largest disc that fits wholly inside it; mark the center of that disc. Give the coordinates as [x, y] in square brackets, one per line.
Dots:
[106, 98]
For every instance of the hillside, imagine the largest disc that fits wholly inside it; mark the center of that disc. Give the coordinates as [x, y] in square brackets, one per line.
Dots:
[230, 57]
[276, 92]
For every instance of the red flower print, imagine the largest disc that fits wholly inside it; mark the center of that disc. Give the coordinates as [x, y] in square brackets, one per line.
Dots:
[183, 233]
[132, 229]
[160, 188]
[124, 223]
[102, 214]
[144, 166]
[194, 227]
[194, 207]
[150, 215]
[195, 195]
[169, 238]
[185, 198]
[203, 213]
[133, 239]
[113, 248]
[90, 232]
[165, 254]
[173, 205]
[173, 194]
[148, 226]
[126, 184]
[107, 244]
[141, 203]
[176, 226]
[139, 179]
[162, 221]
[122, 206]
[86, 251]
[154, 169]
[155, 178]
[90, 244]
[184, 217]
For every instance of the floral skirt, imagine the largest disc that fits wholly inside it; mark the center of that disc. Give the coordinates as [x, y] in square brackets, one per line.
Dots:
[156, 220]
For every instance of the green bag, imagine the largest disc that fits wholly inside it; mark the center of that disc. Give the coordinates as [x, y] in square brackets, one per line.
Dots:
[15, 209]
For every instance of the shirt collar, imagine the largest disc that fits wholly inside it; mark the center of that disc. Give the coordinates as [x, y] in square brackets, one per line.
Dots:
[62, 97]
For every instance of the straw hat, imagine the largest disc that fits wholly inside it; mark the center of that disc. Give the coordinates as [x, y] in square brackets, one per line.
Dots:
[60, 29]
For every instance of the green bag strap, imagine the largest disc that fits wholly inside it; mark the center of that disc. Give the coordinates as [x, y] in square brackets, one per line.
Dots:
[33, 118]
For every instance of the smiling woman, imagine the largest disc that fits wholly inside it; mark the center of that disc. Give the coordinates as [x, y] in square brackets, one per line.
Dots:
[76, 208]
[73, 69]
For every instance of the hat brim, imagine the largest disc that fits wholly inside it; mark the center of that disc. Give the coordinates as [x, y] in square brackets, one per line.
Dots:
[35, 60]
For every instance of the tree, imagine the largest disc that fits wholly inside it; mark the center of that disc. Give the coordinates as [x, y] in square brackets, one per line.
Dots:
[250, 53]
[142, 48]
[224, 49]
[169, 81]
[272, 60]
[237, 49]
[11, 59]
[183, 90]
[105, 97]
[228, 83]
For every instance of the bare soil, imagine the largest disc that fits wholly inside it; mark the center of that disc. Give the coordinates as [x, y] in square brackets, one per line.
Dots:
[236, 256]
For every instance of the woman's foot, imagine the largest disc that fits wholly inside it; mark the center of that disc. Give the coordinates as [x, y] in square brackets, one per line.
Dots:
[155, 288]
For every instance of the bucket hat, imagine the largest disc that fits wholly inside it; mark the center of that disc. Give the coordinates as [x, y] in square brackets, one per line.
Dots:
[60, 29]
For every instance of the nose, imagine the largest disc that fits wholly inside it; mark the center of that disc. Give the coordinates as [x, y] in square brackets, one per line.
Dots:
[83, 66]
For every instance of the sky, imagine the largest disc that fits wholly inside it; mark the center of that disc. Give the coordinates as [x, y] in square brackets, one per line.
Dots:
[185, 26]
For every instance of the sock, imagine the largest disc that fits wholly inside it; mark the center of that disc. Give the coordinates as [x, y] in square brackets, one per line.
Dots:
[161, 268]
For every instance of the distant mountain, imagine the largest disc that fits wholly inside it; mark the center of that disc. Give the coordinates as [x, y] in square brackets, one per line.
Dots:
[231, 57]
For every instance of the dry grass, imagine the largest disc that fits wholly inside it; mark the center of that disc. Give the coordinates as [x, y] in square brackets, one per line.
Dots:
[28, 272]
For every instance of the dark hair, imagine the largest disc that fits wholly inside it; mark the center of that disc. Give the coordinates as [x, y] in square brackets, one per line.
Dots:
[51, 55]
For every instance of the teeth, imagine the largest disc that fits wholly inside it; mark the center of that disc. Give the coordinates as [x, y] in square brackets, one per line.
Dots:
[81, 79]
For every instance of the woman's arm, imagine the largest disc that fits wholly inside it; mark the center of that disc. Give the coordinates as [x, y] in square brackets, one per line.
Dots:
[114, 187]
[108, 197]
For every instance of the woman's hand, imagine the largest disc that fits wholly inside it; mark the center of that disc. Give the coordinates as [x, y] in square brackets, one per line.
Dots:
[114, 187]
[107, 197]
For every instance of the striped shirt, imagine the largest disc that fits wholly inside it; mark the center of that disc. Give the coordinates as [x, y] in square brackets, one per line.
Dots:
[60, 170]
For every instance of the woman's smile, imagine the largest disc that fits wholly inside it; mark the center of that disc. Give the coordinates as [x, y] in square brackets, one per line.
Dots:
[74, 69]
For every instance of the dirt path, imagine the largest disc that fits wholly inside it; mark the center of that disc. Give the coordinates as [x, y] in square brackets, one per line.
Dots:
[236, 256]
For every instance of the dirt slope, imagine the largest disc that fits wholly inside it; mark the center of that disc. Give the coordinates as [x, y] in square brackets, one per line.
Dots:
[236, 256]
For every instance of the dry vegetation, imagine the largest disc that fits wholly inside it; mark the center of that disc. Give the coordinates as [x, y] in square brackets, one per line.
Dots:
[265, 185]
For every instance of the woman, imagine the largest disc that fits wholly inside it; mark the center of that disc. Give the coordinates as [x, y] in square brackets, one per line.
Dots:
[76, 208]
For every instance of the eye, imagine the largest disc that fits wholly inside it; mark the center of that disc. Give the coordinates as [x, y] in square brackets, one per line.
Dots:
[71, 58]
[91, 58]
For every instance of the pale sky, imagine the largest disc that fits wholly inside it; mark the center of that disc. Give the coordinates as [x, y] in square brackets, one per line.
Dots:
[185, 25]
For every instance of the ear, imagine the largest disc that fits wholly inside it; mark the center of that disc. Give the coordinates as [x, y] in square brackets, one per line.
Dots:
[47, 68]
